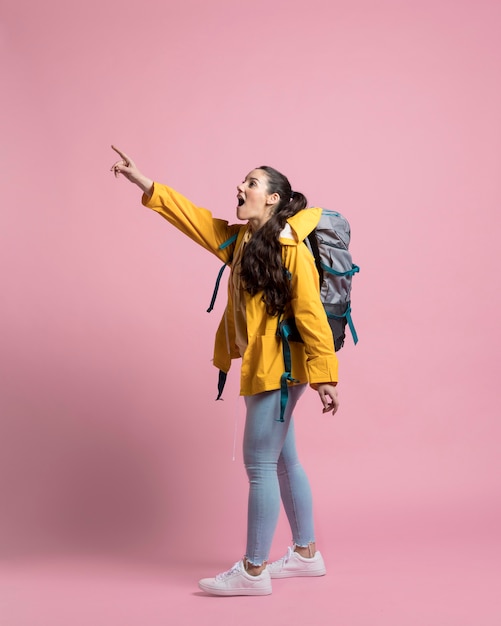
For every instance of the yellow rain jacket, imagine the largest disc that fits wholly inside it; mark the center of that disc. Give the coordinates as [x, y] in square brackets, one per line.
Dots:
[314, 360]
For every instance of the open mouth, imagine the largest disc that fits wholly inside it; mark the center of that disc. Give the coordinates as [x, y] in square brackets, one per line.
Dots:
[240, 201]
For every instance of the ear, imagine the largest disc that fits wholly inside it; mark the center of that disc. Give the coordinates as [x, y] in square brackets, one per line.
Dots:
[273, 198]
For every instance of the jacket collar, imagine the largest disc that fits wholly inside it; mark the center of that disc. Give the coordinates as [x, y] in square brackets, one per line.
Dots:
[301, 224]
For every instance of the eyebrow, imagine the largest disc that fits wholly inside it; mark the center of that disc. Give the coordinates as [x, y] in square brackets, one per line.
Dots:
[252, 178]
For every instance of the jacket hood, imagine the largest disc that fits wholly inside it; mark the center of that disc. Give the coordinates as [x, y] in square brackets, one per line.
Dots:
[303, 223]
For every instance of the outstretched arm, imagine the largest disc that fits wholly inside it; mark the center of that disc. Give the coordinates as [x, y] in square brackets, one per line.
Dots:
[196, 222]
[127, 168]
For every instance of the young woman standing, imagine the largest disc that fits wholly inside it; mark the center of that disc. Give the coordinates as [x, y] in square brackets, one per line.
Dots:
[273, 277]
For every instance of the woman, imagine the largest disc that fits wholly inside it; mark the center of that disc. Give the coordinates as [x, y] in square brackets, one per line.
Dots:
[273, 277]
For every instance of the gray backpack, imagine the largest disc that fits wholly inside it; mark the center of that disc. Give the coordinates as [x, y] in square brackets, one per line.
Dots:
[329, 244]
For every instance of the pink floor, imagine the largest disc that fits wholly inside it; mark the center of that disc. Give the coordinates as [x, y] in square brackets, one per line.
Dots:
[428, 585]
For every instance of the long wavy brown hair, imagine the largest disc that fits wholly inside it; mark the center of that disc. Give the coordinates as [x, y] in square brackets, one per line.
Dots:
[262, 268]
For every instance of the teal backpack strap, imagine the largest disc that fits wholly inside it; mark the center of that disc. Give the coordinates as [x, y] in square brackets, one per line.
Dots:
[351, 325]
[347, 314]
[349, 321]
[329, 270]
[285, 330]
[228, 242]
[224, 245]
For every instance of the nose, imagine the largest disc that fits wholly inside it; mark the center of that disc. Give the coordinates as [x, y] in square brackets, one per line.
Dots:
[240, 188]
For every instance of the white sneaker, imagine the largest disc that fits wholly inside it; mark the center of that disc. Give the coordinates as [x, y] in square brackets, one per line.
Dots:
[237, 582]
[293, 564]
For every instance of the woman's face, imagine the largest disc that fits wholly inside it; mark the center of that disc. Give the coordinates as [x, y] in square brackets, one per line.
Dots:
[255, 204]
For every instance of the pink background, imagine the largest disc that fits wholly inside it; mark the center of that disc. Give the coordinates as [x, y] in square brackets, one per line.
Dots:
[118, 488]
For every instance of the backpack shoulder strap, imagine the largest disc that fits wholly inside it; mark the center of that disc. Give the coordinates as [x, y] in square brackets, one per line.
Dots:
[236, 237]
[312, 244]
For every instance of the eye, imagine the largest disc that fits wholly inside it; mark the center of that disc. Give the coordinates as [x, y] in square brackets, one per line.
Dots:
[252, 183]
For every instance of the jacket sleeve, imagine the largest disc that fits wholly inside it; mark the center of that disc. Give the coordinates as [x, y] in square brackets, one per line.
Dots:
[195, 222]
[311, 320]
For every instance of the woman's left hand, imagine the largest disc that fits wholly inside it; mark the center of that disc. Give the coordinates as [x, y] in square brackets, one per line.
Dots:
[329, 397]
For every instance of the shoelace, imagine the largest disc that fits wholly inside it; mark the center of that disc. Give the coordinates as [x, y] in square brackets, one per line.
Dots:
[230, 572]
[285, 559]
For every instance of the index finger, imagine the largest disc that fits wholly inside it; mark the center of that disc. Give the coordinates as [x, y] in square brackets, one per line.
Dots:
[122, 154]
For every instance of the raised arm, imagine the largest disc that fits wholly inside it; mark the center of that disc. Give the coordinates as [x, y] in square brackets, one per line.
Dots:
[196, 222]
[128, 169]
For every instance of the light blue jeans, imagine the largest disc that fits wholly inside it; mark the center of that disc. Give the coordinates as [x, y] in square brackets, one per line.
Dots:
[274, 473]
